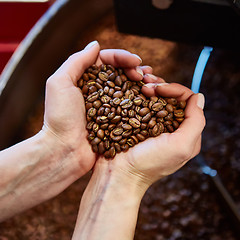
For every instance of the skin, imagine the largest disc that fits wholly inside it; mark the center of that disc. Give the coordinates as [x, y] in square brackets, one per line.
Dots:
[110, 204]
[60, 154]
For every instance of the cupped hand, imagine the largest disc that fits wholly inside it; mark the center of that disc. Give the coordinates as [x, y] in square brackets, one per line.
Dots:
[65, 115]
[160, 156]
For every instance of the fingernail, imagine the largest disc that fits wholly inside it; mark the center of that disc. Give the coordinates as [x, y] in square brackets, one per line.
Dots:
[150, 85]
[90, 45]
[162, 84]
[201, 100]
[138, 57]
[153, 77]
[139, 70]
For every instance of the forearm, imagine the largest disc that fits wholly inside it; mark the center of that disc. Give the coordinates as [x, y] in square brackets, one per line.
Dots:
[109, 207]
[32, 172]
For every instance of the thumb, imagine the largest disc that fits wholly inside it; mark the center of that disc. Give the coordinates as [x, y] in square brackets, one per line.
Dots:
[77, 63]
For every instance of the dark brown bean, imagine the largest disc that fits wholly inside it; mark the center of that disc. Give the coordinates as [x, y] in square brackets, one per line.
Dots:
[103, 76]
[147, 117]
[144, 111]
[134, 122]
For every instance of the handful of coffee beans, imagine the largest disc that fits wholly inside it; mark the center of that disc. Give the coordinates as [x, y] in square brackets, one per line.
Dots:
[119, 116]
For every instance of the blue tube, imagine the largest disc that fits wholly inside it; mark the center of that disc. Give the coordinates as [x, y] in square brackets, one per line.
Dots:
[199, 69]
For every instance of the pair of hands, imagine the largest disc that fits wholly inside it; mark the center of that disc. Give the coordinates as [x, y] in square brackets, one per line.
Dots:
[148, 161]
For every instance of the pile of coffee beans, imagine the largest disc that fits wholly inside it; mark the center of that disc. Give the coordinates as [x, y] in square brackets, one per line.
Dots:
[119, 116]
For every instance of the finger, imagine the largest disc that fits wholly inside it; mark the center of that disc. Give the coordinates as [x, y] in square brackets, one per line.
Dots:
[149, 89]
[135, 74]
[175, 90]
[146, 69]
[120, 58]
[192, 126]
[75, 65]
[150, 78]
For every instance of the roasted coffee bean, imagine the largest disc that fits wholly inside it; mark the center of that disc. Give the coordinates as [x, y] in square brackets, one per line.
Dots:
[126, 126]
[144, 111]
[88, 105]
[116, 119]
[117, 147]
[125, 147]
[157, 107]
[130, 142]
[93, 97]
[95, 141]
[95, 148]
[97, 104]
[119, 115]
[135, 139]
[169, 107]
[104, 126]
[146, 118]
[140, 137]
[112, 76]
[136, 131]
[179, 113]
[175, 124]
[127, 133]
[100, 134]
[151, 123]
[126, 103]
[172, 101]
[162, 114]
[103, 76]
[101, 148]
[92, 112]
[182, 104]
[134, 122]
[118, 131]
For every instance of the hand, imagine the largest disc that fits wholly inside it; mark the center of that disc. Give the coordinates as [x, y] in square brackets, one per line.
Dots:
[157, 157]
[65, 115]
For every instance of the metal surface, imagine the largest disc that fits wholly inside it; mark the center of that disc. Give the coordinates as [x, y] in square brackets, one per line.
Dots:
[43, 50]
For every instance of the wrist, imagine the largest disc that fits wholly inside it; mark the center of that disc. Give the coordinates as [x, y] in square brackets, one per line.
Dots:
[110, 204]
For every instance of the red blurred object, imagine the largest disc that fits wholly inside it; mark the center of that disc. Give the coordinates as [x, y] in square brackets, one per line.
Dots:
[16, 20]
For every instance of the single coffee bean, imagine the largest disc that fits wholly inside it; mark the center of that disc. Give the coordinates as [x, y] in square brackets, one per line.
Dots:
[147, 117]
[157, 106]
[88, 105]
[117, 147]
[134, 122]
[126, 126]
[100, 134]
[95, 141]
[175, 124]
[140, 137]
[118, 131]
[97, 104]
[135, 139]
[126, 103]
[162, 114]
[103, 76]
[93, 97]
[92, 112]
[169, 107]
[118, 94]
[130, 142]
[101, 148]
[144, 111]
[95, 148]
[116, 119]
[182, 104]
[179, 113]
